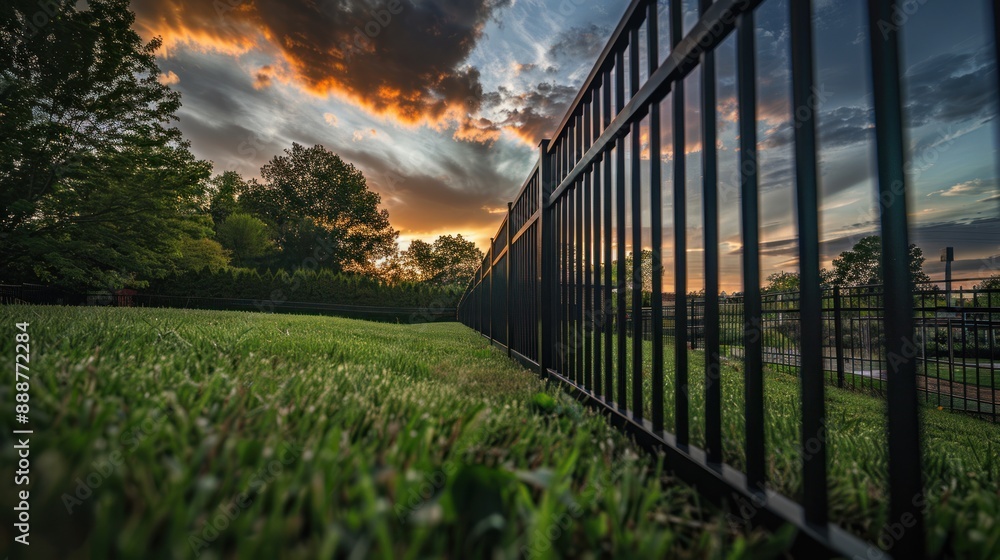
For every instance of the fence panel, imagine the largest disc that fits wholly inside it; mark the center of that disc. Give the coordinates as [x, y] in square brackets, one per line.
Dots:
[579, 216]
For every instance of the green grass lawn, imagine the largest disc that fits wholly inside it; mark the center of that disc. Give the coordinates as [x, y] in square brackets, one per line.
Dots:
[961, 462]
[175, 434]
[963, 371]
[181, 434]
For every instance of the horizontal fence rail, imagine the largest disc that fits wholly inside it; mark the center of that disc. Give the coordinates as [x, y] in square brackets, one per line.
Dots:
[561, 294]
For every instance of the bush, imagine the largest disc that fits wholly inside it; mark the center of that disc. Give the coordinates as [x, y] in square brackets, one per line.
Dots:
[321, 286]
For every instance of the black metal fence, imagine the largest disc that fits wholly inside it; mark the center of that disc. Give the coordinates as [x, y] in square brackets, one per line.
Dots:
[956, 344]
[46, 295]
[545, 295]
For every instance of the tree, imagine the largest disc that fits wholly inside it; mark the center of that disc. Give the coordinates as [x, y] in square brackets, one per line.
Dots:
[862, 264]
[992, 284]
[456, 260]
[646, 272]
[450, 260]
[418, 261]
[199, 254]
[313, 198]
[223, 192]
[781, 282]
[645, 267]
[96, 188]
[988, 292]
[245, 236]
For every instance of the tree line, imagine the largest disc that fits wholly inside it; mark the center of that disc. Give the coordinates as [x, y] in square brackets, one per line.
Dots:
[100, 189]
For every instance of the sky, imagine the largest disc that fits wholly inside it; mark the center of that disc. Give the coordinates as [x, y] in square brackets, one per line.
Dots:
[442, 104]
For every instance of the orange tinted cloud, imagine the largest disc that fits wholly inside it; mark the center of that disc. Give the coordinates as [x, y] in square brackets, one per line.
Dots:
[395, 58]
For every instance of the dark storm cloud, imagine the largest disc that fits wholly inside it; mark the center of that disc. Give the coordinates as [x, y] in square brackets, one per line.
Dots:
[534, 114]
[952, 87]
[396, 58]
[240, 128]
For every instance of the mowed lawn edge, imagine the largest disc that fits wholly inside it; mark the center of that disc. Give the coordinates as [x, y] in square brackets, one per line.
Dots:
[179, 433]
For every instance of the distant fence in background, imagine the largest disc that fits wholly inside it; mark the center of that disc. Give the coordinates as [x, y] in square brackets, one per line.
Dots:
[957, 346]
[546, 293]
[45, 295]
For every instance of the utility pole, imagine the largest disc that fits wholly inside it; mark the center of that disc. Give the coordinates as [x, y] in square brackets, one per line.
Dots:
[947, 256]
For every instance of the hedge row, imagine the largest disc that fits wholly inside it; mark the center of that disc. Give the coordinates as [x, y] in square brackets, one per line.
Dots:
[320, 286]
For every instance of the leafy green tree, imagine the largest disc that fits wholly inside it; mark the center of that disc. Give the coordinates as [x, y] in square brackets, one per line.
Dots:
[992, 283]
[781, 282]
[646, 271]
[96, 187]
[456, 260]
[245, 236]
[223, 191]
[449, 261]
[988, 292]
[418, 261]
[313, 198]
[862, 264]
[199, 254]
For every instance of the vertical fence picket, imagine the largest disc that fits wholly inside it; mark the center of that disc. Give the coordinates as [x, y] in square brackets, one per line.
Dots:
[905, 482]
[656, 227]
[752, 327]
[710, 225]
[681, 412]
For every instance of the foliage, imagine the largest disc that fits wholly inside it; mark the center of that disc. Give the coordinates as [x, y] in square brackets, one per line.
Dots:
[245, 236]
[312, 197]
[781, 282]
[862, 264]
[223, 194]
[449, 261]
[199, 254]
[96, 188]
[314, 286]
[992, 284]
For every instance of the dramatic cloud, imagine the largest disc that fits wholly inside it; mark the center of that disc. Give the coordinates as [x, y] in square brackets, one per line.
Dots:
[390, 85]
[532, 115]
[169, 79]
[396, 58]
[579, 45]
[952, 87]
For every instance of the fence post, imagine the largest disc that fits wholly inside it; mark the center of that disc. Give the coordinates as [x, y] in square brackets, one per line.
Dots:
[548, 289]
[491, 300]
[507, 305]
[838, 336]
[693, 326]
